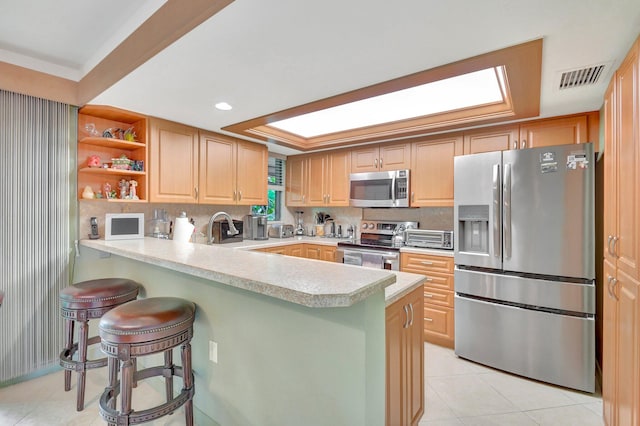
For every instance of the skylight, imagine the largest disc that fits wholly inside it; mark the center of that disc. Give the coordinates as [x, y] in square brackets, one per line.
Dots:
[473, 89]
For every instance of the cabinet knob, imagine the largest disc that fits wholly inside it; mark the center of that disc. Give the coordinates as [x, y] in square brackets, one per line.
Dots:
[426, 262]
[239, 195]
[196, 191]
[523, 144]
[380, 162]
[428, 319]
[429, 295]
[515, 144]
[375, 163]
[234, 195]
[406, 316]
[411, 320]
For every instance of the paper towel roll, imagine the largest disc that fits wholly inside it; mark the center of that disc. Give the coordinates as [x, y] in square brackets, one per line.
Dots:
[183, 230]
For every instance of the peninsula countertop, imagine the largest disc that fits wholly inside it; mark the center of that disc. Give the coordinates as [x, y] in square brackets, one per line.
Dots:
[306, 282]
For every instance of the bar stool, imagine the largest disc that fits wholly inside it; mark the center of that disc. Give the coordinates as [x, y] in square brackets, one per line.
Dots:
[80, 303]
[144, 327]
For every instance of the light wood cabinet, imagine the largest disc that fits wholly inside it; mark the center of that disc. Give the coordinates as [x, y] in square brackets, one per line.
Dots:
[532, 134]
[438, 294]
[173, 157]
[320, 252]
[232, 172]
[188, 166]
[432, 170]
[405, 360]
[501, 138]
[377, 158]
[306, 250]
[296, 180]
[93, 120]
[318, 179]
[621, 280]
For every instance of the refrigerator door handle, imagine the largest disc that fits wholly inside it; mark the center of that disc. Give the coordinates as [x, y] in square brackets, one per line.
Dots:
[497, 246]
[506, 213]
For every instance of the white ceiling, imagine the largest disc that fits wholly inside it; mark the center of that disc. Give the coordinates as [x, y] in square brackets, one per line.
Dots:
[264, 56]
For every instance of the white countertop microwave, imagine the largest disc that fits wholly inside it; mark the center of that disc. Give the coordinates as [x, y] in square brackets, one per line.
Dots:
[123, 226]
[379, 189]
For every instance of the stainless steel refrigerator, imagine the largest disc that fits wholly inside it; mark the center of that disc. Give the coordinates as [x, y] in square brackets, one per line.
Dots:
[524, 254]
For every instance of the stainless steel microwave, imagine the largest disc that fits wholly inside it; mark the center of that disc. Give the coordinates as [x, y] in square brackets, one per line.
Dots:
[379, 189]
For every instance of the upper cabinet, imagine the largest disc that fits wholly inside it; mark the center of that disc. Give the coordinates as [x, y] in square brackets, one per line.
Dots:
[432, 170]
[319, 179]
[554, 131]
[377, 158]
[206, 168]
[500, 138]
[173, 156]
[112, 154]
[232, 172]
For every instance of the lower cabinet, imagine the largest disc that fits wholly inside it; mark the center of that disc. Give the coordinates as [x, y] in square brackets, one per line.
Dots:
[438, 295]
[306, 250]
[405, 360]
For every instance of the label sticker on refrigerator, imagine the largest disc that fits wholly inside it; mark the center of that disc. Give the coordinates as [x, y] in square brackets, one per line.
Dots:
[548, 162]
[577, 160]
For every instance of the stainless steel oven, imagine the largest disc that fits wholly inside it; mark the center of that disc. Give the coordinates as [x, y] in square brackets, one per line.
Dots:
[378, 246]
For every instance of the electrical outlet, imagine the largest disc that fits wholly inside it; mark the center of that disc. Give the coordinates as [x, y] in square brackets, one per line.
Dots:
[213, 351]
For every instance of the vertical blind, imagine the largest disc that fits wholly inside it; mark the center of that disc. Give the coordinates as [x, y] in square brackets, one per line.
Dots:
[35, 234]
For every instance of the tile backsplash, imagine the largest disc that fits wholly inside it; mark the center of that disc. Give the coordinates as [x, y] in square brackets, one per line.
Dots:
[440, 218]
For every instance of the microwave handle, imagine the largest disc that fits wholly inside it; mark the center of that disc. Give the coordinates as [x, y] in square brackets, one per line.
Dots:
[393, 189]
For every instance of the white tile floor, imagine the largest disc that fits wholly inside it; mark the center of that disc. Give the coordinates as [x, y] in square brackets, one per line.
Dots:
[457, 392]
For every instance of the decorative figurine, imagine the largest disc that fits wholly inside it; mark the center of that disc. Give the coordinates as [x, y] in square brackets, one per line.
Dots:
[107, 133]
[94, 161]
[124, 188]
[107, 190]
[132, 189]
[130, 135]
[88, 194]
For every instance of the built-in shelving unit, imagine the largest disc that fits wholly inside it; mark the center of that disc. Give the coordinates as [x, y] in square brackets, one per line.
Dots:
[93, 120]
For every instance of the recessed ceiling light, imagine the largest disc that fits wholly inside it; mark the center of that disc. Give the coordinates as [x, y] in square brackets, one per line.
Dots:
[223, 106]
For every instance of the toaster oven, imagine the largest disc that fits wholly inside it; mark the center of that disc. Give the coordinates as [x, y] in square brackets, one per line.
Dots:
[429, 239]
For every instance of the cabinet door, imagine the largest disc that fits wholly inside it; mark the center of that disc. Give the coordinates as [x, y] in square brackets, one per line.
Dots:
[432, 171]
[396, 317]
[609, 345]
[628, 354]
[337, 184]
[415, 357]
[328, 254]
[610, 175]
[395, 157]
[252, 173]
[365, 159]
[217, 182]
[493, 139]
[312, 251]
[173, 154]
[560, 131]
[296, 181]
[294, 250]
[316, 176]
[627, 246]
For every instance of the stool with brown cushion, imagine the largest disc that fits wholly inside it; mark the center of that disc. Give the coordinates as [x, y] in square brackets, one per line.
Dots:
[144, 327]
[80, 303]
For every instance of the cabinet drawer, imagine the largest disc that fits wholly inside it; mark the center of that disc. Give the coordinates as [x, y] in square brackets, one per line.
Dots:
[438, 325]
[438, 281]
[424, 263]
[434, 296]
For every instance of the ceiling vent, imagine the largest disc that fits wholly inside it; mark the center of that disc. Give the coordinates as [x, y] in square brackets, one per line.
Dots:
[581, 77]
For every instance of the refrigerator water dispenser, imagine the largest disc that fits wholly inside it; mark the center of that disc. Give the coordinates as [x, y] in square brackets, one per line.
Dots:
[473, 226]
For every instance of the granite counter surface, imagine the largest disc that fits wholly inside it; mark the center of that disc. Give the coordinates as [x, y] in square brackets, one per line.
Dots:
[311, 283]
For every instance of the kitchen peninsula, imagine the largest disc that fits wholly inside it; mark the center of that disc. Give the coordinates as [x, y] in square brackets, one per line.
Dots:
[298, 341]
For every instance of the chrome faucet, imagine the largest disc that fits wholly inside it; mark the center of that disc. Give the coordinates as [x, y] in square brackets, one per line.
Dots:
[232, 229]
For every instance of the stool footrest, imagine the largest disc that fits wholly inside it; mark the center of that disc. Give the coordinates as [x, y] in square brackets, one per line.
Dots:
[68, 363]
[111, 415]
